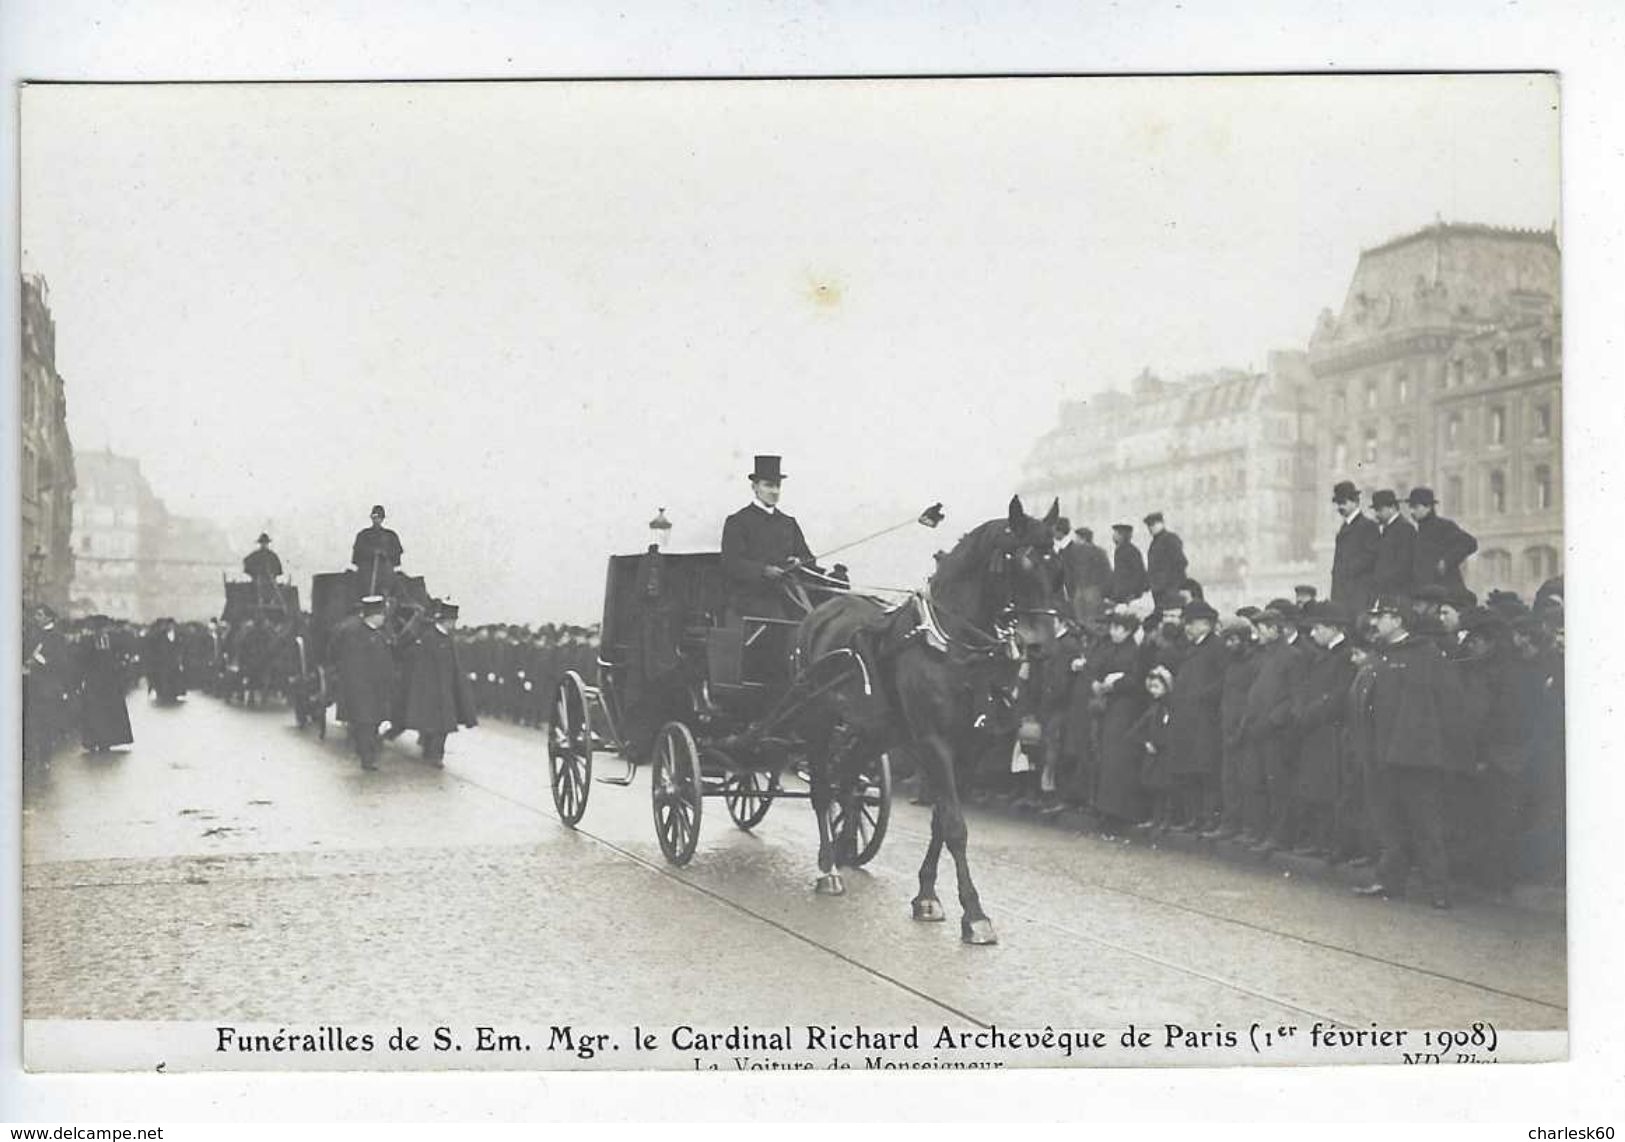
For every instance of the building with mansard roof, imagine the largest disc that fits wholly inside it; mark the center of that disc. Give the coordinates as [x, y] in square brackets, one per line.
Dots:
[1443, 369]
[47, 474]
[1227, 456]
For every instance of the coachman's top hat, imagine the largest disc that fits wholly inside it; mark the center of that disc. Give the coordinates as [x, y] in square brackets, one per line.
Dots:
[1345, 491]
[767, 468]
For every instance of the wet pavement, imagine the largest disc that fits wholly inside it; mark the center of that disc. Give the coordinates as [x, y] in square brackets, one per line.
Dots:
[231, 865]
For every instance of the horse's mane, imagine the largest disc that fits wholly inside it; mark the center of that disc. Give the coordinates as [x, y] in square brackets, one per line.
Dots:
[960, 580]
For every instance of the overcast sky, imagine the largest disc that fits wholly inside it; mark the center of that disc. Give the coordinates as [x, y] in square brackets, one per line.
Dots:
[524, 316]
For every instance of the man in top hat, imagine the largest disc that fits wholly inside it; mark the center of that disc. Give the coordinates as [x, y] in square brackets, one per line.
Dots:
[1322, 715]
[1441, 544]
[760, 546]
[1165, 563]
[1195, 740]
[1354, 560]
[359, 652]
[376, 554]
[1129, 580]
[263, 567]
[438, 698]
[1086, 571]
[1417, 707]
[1393, 573]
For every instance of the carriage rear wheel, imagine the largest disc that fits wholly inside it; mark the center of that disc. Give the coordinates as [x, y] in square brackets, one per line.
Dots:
[569, 748]
[677, 792]
[872, 811]
[749, 796]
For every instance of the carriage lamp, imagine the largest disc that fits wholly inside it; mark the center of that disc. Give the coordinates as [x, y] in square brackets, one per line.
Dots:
[659, 531]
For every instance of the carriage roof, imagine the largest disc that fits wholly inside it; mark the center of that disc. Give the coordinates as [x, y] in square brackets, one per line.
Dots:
[243, 602]
[690, 584]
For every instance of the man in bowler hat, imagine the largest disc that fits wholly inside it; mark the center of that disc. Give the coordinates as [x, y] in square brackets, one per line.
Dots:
[1354, 561]
[1394, 571]
[1441, 544]
[760, 546]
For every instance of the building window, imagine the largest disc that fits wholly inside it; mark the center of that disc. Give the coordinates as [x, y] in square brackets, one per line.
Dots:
[1402, 387]
[1368, 447]
[1453, 493]
[84, 543]
[1452, 431]
[1540, 563]
[1547, 348]
[1541, 490]
[1498, 425]
[1340, 401]
[1458, 373]
[1371, 394]
[1402, 438]
[1541, 427]
[1497, 567]
[1501, 360]
[1340, 454]
[1498, 492]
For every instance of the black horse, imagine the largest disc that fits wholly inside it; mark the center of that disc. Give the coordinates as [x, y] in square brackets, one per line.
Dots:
[935, 670]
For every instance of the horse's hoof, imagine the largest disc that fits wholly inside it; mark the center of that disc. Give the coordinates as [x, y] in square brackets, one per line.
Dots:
[929, 909]
[830, 885]
[977, 931]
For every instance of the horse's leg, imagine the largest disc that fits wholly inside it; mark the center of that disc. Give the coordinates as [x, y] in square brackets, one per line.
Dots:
[974, 925]
[932, 754]
[829, 881]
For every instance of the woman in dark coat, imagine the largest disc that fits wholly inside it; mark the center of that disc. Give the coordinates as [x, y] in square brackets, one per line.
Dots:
[161, 662]
[1120, 693]
[1068, 719]
[104, 721]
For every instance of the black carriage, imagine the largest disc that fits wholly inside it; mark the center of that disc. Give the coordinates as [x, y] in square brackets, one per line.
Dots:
[333, 596]
[714, 707]
[262, 622]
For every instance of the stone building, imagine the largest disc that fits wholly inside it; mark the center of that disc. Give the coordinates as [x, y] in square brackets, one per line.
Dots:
[134, 559]
[1226, 456]
[1442, 369]
[47, 475]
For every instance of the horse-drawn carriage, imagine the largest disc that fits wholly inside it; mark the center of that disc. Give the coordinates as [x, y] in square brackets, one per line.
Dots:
[262, 623]
[717, 709]
[730, 707]
[334, 596]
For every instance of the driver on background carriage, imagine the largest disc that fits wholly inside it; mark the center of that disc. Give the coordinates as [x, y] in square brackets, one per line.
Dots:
[263, 568]
[376, 554]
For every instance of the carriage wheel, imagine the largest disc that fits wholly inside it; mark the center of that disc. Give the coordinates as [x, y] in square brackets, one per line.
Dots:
[675, 790]
[873, 805]
[749, 796]
[569, 748]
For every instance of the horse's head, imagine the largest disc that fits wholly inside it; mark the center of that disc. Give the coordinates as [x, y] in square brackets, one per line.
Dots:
[1004, 575]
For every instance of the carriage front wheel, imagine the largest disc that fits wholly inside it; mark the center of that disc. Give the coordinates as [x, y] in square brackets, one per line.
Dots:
[871, 803]
[676, 791]
[569, 748]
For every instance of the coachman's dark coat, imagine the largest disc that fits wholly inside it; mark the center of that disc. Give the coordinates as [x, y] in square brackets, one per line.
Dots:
[1194, 742]
[366, 672]
[1441, 548]
[1129, 580]
[1354, 563]
[1396, 558]
[1322, 715]
[438, 699]
[753, 540]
